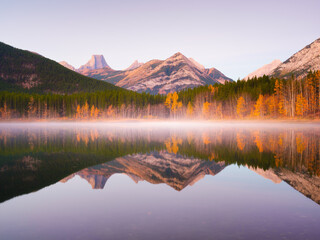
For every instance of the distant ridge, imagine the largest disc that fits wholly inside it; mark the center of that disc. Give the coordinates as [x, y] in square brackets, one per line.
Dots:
[300, 63]
[96, 62]
[67, 65]
[22, 70]
[264, 70]
[134, 65]
[161, 76]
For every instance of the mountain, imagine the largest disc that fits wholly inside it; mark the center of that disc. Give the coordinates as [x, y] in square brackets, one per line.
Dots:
[157, 167]
[96, 62]
[264, 70]
[217, 75]
[198, 65]
[22, 70]
[162, 76]
[299, 64]
[67, 65]
[134, 65]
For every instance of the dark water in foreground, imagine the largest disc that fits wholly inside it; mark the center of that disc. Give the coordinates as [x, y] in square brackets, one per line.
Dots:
[159, 181]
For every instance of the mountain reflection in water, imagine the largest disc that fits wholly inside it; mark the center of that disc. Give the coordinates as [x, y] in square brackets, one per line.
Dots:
[36, 156]
[159, 181]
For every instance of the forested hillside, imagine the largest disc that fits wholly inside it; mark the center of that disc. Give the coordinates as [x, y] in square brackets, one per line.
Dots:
[29, 72]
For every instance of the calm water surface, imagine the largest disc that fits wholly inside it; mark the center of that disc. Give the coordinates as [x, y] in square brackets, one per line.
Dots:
[159, 181]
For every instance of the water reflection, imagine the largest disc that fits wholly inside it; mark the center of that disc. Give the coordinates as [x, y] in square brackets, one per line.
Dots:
[160, 181]
[35, 156]
[156, 167]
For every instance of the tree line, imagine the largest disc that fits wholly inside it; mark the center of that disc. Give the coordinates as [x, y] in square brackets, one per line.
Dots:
[257, 98]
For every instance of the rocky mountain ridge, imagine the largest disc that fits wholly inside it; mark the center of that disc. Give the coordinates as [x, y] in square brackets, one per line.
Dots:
[300, 63]
[160, 76]
[134, 65]
[96, 62]
[264, 70]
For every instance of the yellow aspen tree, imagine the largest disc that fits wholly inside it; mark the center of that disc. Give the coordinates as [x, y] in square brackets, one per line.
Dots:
[168, 101]
[259, 107]
[281, 103]
[212, 89]
[96, 113]
[240, 106]
[78, 113]
[219, 110]
[110, 111]
[5, 112]
[206, 109]
[277, 88]
[189, 110]
[85, 110]
[301, 105]
[92, 110]
[271, 104]
[311, 94]
[174, 102]
[279, 97]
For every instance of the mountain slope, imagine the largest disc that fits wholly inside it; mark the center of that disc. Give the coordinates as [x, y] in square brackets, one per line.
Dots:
[22, 70]
[217, 75]
[299, 64]
[96, 62]
[162, 76]
[264, 70]
[134, 65]
[67, 65]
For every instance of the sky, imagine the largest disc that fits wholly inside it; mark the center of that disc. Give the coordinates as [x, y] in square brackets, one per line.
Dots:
[234, 36]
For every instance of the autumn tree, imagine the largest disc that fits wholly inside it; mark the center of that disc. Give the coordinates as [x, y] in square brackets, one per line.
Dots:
[240, 106]
[189, 110]
[206, 109]
[172, 103]
[5, 111]
[271, 105]
[301, 105]
[259, 107]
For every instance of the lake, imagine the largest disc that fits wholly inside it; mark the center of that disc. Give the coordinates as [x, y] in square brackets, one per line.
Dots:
[159, 180]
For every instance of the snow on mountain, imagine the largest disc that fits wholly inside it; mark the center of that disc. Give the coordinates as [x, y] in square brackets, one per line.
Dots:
[299, 64]
[264, 70]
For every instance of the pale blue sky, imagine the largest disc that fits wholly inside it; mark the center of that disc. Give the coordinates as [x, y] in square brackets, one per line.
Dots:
[234, 36]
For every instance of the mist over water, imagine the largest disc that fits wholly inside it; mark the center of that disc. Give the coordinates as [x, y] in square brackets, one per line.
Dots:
[155, 180]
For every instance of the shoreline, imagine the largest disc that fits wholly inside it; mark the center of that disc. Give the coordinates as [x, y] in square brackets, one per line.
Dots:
[218, 121]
